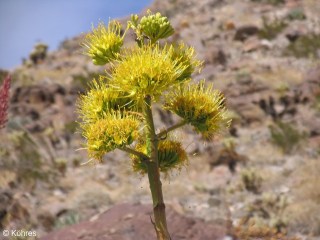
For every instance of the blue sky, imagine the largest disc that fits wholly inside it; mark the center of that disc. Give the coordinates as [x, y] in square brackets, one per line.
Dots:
[26, 22]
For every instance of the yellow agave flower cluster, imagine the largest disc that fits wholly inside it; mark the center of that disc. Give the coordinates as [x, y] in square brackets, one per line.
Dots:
[112, 110]
[104, 43]
[100, 100]
[171, 155]
[201, 106]
[152, 70]
[106, 122]
[109, 133]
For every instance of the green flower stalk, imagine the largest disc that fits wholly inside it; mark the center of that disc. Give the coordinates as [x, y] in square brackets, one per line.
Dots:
[117, 113]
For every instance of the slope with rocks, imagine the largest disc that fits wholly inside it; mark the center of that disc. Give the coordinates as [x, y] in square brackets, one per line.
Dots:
[263, 54]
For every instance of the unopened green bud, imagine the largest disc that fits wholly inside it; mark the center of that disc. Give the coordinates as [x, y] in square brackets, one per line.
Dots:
[155, 27]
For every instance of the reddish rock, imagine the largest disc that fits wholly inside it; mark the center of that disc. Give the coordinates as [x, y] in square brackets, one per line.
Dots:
[127, 221]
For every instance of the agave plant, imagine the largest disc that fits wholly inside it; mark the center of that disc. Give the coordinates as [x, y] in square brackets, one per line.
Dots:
[116, 113]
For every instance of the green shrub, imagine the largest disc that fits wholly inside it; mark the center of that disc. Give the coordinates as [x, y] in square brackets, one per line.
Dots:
[83, 81]
[269, 211]
[271, 29]
[25, 160]
[285, 136]
[273, 2]
[39, 53]
[251, 180]
[29, 157]
[296, 14]
[304, 46]
[66, 219]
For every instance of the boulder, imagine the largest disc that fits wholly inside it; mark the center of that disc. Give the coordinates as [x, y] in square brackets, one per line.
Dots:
[132, 221]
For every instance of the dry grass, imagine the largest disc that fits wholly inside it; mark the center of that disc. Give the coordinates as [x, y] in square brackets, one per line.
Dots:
[309, 181]
[305, 212]
[253, 231]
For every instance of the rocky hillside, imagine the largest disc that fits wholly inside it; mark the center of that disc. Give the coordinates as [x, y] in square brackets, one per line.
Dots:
[258, 181]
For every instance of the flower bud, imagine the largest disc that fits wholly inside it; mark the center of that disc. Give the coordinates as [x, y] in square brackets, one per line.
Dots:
[155, 26]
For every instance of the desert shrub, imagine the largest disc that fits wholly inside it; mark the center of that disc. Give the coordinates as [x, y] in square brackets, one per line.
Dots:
[304, 213]
[305, 218]
[304, 46]
[227, 155]
[273, 2]
[71, 127]
[251, 180]
[243, 77]
[66, 219]
[83, 81]
[250, 230]
[317, 103]
[282, 88]
[28, 157]
[21, 77]
[21, 155]
[61, 165]
[3, 75]
[39, 53]
[76, 162]
[286, 136]
[296, 14]
[269, 210]
[271, 29]
[309, 181]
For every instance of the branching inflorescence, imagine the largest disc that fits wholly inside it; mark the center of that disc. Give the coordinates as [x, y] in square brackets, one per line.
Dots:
[4, 101]
[117, 113]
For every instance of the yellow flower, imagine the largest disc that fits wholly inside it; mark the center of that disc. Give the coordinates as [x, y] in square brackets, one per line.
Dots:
[171, 155]
[200, 106]
[104, 43]
[116, 130]
[101, 100]
[149, 70]
[185, 56]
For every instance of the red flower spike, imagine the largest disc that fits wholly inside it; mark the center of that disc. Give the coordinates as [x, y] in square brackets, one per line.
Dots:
[4, 100]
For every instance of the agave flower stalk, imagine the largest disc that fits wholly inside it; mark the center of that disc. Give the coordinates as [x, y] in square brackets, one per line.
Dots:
[154, 175]
[117, 111]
